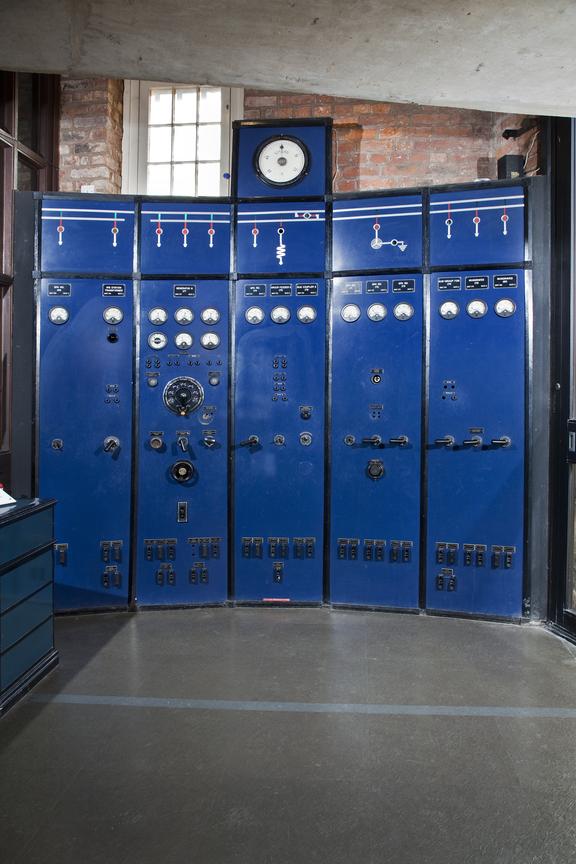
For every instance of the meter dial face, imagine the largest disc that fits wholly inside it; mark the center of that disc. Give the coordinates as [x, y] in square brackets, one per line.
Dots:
[403, 311]
[280, 314]
[254, 315]
[376, 312]
[58, 315]
[477, 308]
[184, 316]
[183, 395]
[449, 309]
[113, 315]
[210, 316]
[505, 307]
[157, 341]
[350, 313]
[183, 341]
[157, 316]
[281, 161]
[210, 341]
[306, 314]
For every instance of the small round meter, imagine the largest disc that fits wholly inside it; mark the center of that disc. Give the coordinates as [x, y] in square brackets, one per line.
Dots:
[280, 314]
[306, 314]
[403, 311]
[449, 309]
[183, 341]
[157, 316]
[376, 312]
[184, 316]
[157, 341]
[282, 160]
[477, 308]
[350, 313]
[113, 315]
[210, 316]
[58, 315]
[210, 341]
[505, 307]
[254, 315]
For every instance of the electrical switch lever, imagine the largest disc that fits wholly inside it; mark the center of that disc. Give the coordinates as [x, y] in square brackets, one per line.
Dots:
[402, 440]
[183, 442]
[476, 441]
[111, 444]
[375, 440]
[504, 441]
[251, 441]
[447, 441]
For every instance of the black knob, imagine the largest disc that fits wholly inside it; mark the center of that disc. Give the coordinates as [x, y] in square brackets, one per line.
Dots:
[375, 469]
[402, 440]
[182, 471]
[375, 440]
[279, 440]
[251, 441]
[57, 444]
[306, 412]
[111, 443]
[447, 441]
[112, 337]
[504, 441]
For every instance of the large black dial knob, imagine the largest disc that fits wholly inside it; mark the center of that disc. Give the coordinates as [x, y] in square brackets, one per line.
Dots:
[183, 395]
[182, 471]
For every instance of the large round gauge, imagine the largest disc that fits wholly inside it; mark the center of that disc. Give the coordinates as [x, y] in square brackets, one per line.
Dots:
[254, 315]
[376, 312]
[280, 314]
[183, 341]
[282, 160]
[183, 395]
[113, 315]
[157, 341]
[449, 309]
[210, 316]
[306, 314]
[184, 316]
[350, 313]
[58, 315]
[210, 341]
[403, 311]
[477, 308]
[505, 307]
[157, 316]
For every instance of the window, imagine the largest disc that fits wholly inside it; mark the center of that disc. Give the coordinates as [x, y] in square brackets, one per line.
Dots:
[177, 138]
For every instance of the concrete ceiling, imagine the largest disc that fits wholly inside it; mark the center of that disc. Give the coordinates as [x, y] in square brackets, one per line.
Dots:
[487, 54]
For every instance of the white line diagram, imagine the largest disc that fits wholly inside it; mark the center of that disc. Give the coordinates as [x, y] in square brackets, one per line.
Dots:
[376, 214]
[185, 218]
[505, 203]
[280, 218]
[78, 214]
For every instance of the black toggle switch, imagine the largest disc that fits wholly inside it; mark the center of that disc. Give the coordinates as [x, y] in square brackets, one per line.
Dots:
[251, 441]
[375, 440]
[504, 441]
[447, 441]
[476, 441]
[183, 442]
[402, 440]
[111, 444]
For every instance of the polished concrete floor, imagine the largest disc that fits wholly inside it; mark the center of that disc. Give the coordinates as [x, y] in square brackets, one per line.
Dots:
[292, 737]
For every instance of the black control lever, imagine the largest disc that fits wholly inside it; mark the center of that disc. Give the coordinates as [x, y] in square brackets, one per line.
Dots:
[183, 442]
[402, 440]
[111, 443]
[447, 441]
[251, 441]
[375, 440]
[472, 442]
[504, 441]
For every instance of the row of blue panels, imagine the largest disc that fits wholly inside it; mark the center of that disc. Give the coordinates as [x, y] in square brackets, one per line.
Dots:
[83, 236]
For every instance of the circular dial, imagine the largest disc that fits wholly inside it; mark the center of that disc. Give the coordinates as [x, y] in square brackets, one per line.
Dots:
[182, 471]
[376, 312]
[449, 309]
[280, 314]
[210, 316]
[505, 307]
[157, 316]
[306, 314]
[183, 395]
[403, 311]
[350, 313]
[477, 308]
[210, 341]
[184, 316]
[254, 315]
[113, 315]
[183, 341]
[157, 341]
[58, 315]
[282, 161]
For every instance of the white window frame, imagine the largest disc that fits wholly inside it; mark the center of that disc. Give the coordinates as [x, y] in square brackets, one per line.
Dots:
[135, 139]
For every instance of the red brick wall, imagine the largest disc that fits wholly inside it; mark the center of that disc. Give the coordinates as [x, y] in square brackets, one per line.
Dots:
[91, 134]
[382, 145]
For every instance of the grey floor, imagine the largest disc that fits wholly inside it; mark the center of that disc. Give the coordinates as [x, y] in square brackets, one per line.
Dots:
[275, 736]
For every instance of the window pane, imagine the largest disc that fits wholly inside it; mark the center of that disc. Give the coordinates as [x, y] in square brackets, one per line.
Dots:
[184, 143]
[184, 179]
[27, 177]
[185, 106]
[160, 144]
[209, 142]
[160, 110]
[209, 178]
[28, 110]
[210, 106]
[158, 180]
[5, 347]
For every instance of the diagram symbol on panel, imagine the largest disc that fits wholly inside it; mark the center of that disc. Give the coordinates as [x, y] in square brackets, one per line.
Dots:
[281, 247]
[184, 218]
[480, 208]
[377, 242]
[83, 214]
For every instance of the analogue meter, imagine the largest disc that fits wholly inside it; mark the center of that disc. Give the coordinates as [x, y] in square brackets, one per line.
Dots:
[350, 313]
[210, 316]
[184, 316]
[281, 161]
[254, 315]
[58, 315]
[157, 316]
[477, 308]
[306, 314]
[183, 341]
[280, 314]
[183, 395]
[376, 312]
[449, 309]
[157, 341]
[505, 307]
[403, 311]
[210, 341]
[113, 315]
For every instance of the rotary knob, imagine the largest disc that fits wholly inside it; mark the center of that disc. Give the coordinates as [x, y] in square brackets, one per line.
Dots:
[182, 471]
[183, 395]
[375, 469]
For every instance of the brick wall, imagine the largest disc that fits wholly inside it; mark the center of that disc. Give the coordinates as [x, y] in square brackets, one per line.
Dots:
[91, 134]
[380, 145]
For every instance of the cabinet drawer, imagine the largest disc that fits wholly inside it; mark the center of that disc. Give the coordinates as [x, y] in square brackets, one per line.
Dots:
[17, 584]
[17, 660]
[18, 538]
[21, 619]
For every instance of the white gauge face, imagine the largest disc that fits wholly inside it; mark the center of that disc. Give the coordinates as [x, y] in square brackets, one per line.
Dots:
[505, 307]
[403, 311]
[184, 316]
[113, 315]
[183, 341]
[254, 315]
[306, 314]
[157, 316]
[376, 312]
[477, 308]
[282, 161]
[449, 309]
[210, 341]
[350, 313]
[280, 314]
[157, 341]
[210, 316]
[58, 315]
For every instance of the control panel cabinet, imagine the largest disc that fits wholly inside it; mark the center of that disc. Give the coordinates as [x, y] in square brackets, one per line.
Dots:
[182, 508]
[376, 440]
[85, 429]
[279, 440]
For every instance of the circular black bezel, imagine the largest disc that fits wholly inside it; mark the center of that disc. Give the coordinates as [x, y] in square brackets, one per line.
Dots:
[303, 173]
[183, 381]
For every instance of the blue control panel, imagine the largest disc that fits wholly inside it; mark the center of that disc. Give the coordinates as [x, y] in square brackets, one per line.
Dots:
[279, 440]
[376, 432]
[377, 233]
[286, 237]
[87, 235]
[85, 423]
[182, 508]
[185, 237]
[476, 442]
